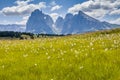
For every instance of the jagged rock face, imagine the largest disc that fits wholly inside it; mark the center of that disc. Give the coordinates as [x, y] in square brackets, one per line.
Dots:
[67, 24]
[80, 23]
[59, 23]
[39, 23]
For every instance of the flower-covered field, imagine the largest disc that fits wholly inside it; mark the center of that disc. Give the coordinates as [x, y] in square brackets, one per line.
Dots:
[90, 56]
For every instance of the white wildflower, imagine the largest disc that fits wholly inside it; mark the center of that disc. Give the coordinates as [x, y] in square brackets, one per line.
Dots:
[92, 48]
[86, 54]
[76, 52]
[3, 66]
[25, 55]
[48, 57]
[35, 64]
[46, 53]
[81, 67]
[106, 49]
[62, 53]
[91, 44]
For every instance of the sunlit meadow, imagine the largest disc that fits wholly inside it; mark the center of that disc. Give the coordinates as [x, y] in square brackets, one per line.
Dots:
[90, 56]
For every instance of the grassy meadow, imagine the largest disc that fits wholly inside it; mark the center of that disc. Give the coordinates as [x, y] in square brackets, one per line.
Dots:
[90, 56]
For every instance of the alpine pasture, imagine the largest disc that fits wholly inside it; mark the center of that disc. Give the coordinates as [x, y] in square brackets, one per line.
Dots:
[90, 56]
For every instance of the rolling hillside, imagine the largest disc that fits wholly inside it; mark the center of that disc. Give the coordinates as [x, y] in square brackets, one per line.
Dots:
[90, 56]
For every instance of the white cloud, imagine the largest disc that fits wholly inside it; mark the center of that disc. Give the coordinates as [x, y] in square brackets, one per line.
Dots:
[24, 21]
[99, 14]
[97, 8]
[56, 7]
[23, 2]
[87, 6]
[54, 16]
[115, 12]
[22, 8]
[117, 21]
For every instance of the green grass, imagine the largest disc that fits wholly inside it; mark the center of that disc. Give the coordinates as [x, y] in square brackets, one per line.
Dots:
[91, 56]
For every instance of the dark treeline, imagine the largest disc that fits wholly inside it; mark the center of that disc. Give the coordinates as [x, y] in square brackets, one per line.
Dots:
[25, 35]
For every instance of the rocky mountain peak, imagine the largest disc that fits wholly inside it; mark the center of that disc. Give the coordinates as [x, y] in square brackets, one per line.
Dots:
[39, 22]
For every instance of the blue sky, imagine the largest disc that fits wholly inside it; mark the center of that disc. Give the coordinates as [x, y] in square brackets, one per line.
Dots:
[18, 11]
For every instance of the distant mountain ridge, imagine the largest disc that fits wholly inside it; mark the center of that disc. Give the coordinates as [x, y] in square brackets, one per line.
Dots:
[79, 23]
[12, 27]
